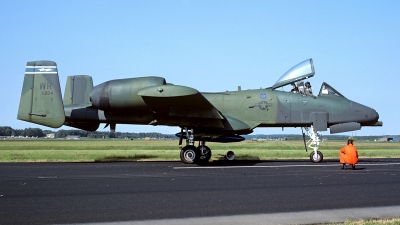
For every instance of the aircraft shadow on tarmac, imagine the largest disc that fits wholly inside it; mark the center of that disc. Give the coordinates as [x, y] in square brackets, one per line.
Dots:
[119, 158]
[349, 168]
[254, 161]
[221, 161]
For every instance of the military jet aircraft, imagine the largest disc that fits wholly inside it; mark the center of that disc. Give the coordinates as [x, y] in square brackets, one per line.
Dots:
[202, 117]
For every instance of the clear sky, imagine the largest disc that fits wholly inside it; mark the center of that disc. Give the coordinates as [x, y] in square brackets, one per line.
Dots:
[208, 45]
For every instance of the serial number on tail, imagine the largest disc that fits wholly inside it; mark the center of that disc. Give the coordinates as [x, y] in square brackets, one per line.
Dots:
[47, 92]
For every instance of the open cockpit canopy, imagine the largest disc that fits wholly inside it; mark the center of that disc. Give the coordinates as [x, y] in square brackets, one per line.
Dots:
[299, 72]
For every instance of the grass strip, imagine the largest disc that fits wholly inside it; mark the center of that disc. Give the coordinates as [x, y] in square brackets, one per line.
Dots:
[42, 150]
[394, 221]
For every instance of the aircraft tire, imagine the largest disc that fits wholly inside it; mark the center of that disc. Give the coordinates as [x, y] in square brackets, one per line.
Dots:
[203, 159]
[189, 154]
[318, 159]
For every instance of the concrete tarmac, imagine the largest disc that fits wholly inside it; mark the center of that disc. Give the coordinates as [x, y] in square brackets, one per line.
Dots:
[230, 191]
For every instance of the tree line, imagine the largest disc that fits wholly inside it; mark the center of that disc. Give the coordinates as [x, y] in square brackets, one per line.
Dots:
[27, 132]
[37, 132]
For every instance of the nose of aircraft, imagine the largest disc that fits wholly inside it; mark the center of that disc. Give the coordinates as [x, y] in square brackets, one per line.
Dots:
[375, 114]
[364, 113]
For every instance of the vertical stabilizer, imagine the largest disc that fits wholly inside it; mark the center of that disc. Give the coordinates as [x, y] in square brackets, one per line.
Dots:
[41, 101]
[77, 90]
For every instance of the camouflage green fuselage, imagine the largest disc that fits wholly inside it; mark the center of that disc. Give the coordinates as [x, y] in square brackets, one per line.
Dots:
[274, 108]
[252, 108]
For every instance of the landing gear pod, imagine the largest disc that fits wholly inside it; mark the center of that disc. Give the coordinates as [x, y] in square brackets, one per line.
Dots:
[230, 155]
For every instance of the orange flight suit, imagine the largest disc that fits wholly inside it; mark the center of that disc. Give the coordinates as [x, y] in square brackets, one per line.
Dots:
[349, 154]
[342, 156]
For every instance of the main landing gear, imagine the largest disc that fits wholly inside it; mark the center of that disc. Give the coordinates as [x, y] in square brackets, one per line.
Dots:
[315, 156]
[191, 154]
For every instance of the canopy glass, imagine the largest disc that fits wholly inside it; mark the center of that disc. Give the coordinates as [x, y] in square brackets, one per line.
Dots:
[299, 72]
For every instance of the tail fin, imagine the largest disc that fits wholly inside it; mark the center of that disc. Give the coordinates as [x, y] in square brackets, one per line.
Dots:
[77, 90]
[41, 101]
[77, 103]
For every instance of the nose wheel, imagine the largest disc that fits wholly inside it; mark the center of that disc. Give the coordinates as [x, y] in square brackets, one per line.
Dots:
[316, 158]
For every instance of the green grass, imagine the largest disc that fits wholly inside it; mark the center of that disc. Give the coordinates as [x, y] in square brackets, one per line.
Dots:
[395, 221]
[43, 150]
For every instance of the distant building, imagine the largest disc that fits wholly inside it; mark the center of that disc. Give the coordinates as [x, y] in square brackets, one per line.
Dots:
[393, 138]
[389, 138]
[73, 137]
[50, 136]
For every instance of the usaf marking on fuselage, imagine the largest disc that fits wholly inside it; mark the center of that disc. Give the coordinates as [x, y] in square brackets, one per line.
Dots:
[263, 105]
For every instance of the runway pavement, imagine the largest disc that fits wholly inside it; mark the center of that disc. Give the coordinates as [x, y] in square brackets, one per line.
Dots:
[230, 191]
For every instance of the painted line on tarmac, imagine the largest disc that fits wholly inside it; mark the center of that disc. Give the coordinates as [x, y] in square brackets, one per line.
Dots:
[281, 166]
[302, 217]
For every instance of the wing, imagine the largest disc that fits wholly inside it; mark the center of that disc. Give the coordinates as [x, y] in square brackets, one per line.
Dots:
[186, 107]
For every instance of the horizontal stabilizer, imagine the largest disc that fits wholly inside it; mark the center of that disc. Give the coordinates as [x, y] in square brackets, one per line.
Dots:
[41, 101]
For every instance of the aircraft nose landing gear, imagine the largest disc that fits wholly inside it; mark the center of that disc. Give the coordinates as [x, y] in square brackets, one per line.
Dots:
[315, 156]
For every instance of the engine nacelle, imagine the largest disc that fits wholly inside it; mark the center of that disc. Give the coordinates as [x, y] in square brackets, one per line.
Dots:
[122, 94]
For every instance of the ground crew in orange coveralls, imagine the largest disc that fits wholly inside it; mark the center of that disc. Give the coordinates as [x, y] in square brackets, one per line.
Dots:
[349, 155]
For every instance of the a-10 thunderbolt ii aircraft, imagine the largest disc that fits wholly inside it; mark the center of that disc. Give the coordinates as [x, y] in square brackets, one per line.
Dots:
[202, 117]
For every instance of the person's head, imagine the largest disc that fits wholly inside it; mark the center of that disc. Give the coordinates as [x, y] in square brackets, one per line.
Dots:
[308, 85]
[350, 141]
